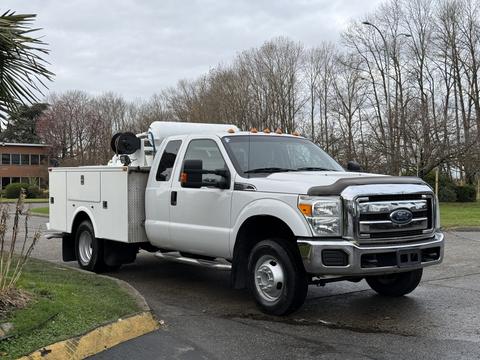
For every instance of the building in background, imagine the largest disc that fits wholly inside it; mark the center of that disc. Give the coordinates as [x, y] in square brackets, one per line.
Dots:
[26, 163]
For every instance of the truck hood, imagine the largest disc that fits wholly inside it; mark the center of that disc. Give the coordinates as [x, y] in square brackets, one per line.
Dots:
[300, 182]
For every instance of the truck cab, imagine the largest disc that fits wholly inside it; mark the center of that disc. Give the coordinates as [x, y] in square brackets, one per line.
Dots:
[274, 208]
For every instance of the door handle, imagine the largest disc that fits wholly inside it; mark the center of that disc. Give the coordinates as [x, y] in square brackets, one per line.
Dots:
[173, 198]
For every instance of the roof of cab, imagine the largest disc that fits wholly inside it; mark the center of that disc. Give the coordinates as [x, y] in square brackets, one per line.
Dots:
[259, 133]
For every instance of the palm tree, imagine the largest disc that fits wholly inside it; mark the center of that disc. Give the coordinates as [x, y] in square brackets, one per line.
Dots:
[22, 69]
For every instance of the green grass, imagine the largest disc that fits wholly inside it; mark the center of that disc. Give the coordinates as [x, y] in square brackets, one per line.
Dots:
[66, 303]
[460, 215]
[27, 201]
[40, 210]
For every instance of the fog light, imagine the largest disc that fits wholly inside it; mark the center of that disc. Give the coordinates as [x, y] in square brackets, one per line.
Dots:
[334, 258]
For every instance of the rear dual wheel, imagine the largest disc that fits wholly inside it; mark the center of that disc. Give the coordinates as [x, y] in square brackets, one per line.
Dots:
[89, 249]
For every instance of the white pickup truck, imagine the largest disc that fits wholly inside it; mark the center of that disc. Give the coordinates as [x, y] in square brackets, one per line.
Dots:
[274, 208]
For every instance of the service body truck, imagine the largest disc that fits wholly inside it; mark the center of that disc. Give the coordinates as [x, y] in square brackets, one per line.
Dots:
[274, 208]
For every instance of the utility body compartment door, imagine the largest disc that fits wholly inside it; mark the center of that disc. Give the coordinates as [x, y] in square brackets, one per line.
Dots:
[83, 186]
[58, 200]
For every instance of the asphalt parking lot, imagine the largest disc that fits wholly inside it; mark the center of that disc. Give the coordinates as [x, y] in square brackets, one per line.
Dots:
[206, 319]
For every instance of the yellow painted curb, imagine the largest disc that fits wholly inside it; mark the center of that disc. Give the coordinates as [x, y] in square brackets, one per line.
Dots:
[97, 340]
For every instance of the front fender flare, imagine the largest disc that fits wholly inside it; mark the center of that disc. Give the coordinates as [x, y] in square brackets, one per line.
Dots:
[275, 208]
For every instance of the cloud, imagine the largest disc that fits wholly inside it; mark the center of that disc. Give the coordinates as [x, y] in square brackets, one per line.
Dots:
[136, 48]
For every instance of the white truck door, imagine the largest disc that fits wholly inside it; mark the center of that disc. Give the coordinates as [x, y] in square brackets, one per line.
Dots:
[200, 218]
[158, 197]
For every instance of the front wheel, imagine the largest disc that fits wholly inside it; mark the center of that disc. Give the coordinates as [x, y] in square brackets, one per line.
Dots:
[276, 277]
[395, 284]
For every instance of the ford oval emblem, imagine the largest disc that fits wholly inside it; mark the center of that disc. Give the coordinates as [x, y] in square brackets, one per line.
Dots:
[401, 216]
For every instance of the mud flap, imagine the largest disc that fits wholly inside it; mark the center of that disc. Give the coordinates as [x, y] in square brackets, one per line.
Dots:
[116, 253]
[68, 248]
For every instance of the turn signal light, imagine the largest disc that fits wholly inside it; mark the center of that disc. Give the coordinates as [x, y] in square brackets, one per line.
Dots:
[231, 131]
[183, 177]
[278, 131]
[266, 131]
[306, 209]
[253, 130]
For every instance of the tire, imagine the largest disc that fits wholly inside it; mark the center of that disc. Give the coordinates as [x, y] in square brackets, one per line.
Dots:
[395, 285]
[276, 277]
[89, 249]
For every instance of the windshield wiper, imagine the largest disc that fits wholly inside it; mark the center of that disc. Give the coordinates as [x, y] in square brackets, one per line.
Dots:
[313, 168]
[268, 170]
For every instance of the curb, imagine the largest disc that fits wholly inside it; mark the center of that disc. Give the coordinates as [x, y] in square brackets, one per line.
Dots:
[462, 229]
[99, 339]
[104, 336]
[39, 215]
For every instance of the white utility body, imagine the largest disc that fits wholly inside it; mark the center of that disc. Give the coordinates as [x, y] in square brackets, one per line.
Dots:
[273, 207]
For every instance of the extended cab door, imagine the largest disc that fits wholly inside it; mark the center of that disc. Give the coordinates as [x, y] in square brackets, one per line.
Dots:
[158, 195]
[200, 217]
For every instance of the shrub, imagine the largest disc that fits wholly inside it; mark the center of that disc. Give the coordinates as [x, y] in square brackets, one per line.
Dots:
[466, 193]
[443, 180]
[12, 191]
[33, 192]
[447, 194]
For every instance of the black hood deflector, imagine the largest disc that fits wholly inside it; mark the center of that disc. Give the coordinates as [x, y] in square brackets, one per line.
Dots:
[338, 186]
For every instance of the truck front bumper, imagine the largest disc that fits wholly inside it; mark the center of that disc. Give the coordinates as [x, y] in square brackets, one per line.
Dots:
[345, 258]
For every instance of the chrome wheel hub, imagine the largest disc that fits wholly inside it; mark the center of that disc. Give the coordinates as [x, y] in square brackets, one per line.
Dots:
[85, 247]
[269, 278]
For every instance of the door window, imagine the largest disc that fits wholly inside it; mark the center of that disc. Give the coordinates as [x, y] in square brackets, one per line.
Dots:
[212, 159]
[167, 161]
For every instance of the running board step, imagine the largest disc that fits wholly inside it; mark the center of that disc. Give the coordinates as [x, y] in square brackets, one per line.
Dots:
[222, 264]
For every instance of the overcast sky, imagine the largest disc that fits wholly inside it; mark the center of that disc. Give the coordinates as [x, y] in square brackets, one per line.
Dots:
[136, 48]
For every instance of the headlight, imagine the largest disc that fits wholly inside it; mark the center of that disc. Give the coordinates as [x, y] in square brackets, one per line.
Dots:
[324, 214]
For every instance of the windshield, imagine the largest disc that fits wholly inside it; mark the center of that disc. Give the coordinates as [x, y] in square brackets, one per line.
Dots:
[266, 154]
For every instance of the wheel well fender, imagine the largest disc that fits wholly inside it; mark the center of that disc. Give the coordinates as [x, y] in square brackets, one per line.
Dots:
[68, 240]
[253, 230]
[82, 213]
[274, 208]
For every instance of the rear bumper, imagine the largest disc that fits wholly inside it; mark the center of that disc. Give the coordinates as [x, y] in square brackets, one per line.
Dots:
[368, 260]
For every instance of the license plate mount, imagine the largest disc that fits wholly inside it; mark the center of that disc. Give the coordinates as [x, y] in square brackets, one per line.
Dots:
[409, 258]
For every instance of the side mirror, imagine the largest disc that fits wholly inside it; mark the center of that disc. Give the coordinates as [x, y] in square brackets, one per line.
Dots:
[353, 166]
[191, 176]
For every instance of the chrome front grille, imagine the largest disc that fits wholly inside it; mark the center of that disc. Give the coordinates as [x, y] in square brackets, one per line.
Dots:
[375, 223]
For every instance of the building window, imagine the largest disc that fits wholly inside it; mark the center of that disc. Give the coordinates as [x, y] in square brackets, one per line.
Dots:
[5, 159]
[15, 180]
[34, 159]
[25, 159]
[15, 159]
[25, 180]
[5, 182]
[44, 159]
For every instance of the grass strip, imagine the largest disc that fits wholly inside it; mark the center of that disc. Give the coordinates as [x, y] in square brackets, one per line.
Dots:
[454, 215]
[65, 303]
[40, 210]
[26, 201]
